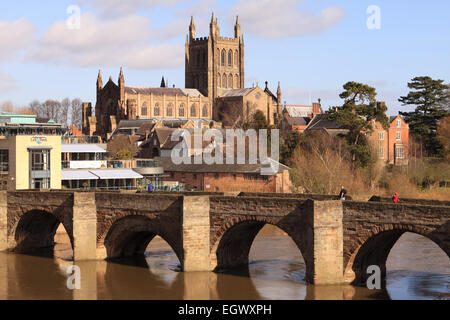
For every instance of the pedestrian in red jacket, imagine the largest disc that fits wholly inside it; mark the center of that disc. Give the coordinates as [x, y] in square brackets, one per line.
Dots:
[395, 198]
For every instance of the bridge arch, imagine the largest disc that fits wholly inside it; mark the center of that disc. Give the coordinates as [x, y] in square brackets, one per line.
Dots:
[130, 235]
[36, 229]
[232, 243]
[374, 249]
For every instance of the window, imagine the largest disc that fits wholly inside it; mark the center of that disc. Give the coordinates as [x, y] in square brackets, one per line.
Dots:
[400, 152]
[230, 58]
[40, 183]
[373, 123]
[381, 152]
[205, 111]
[381, 135]
[4, 161]
[169, 110]
[236, 81]
[40, 160]
[230, 81]
[236, 58]
[144, 109]
[224, 81]
[219, 81]
[181, 111]
[399, 135]
[156, 111]
[222, 59]
[193, 110]
[399, 123]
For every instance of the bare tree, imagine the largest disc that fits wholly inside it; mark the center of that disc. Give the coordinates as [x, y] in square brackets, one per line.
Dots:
[64, 111]
[7, 106]
[51, 109]
[76, 112]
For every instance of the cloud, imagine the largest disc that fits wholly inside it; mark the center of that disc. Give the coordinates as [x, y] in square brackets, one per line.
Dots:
[14, 37]
[123, 41]
[282, 19]
[125, 7]
[7, 83]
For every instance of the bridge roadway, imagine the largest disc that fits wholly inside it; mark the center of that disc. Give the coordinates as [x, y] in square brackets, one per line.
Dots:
[214, 231]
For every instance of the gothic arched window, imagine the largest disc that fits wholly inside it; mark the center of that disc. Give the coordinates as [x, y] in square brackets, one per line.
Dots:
[205, 111]
[222, 58]
[219, 80]
[144, 109]
[169, 110]
[230, 58]
[230, 81]
[224, 81]
[236, 58]
[236, 81]
[193, 110]
[157, 110]
[181, 110]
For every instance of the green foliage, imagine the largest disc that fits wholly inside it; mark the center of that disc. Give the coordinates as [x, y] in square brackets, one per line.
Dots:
[359, 108]
[429, 96]
[123, 154]
[289, 144]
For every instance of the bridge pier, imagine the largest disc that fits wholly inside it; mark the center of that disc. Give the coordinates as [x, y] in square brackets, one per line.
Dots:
[196, 234]
[328, 244]
[84, 226]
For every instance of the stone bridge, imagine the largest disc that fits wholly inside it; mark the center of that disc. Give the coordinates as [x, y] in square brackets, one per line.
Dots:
[214, 231]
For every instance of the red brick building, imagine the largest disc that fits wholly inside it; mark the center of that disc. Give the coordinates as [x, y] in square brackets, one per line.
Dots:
[228, 177]
[392, 144]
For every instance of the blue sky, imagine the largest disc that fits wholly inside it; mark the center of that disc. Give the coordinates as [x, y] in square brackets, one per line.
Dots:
[311, 47]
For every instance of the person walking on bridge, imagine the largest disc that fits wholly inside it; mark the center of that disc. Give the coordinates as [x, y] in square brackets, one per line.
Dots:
[395, 198]
[342, 193]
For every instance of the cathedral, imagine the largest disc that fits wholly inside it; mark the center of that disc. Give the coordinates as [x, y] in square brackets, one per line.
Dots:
[214, 89]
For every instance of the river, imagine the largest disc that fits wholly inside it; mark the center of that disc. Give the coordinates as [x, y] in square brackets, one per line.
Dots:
[416, 269]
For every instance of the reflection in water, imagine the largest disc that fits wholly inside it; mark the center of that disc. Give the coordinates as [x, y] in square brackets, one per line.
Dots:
[276, 271]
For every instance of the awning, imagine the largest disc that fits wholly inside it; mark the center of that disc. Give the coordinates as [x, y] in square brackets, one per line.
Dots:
[77, 175]
[82, 148]
[116, 174]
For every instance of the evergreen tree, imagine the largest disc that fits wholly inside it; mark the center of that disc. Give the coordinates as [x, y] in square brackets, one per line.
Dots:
[429, 96]
[359, 108]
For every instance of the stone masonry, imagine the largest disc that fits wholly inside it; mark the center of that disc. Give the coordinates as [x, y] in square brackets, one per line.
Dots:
[213, 231]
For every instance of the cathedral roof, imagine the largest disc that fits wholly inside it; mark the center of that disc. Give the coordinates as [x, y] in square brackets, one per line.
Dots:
[237, 92]
[163, 91]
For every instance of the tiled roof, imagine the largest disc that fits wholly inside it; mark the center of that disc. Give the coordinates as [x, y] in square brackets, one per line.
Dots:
[321, 121]
[299, 111]
[298, 121]
[163, 91]
[237, 92]
[219, 168]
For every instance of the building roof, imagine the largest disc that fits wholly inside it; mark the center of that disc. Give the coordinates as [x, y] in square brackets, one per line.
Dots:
[298, 121]
[221, 168]
[163, 91]
[77, 175]
[237, 92]
[82, 148]
[116, 174]
[321, 121]
[296, 111]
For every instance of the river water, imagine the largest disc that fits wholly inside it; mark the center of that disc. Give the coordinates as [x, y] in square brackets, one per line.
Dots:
[417, 269]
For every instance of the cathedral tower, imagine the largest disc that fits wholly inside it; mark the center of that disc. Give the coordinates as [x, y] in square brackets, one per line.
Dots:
[214, 64]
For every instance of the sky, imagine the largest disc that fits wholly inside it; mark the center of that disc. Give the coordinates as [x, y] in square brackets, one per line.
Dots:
[53, 49]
